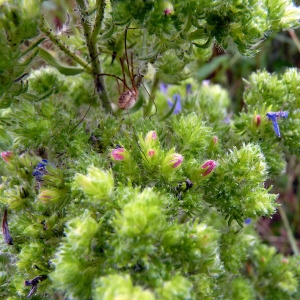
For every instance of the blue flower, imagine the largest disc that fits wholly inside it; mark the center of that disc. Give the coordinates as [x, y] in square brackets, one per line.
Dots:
[163, 88]
[40, 170]
[248, 221]
[188, 89]
[274, 116]
[178, 107]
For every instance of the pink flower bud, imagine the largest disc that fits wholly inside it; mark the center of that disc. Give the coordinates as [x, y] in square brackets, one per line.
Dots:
[168, 8]
[208, 166]
[256, 120]
[215, 140]
[151, 153]
[176, 160]
[285, 260]
[151, 136]
[118, 154]
[7, 156]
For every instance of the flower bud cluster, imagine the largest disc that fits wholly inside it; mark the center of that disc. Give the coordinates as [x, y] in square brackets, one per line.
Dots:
[161, 163]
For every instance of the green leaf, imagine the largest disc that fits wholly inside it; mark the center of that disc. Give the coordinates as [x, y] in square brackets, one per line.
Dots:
[65, 70]
[208, 68]
[32, 47]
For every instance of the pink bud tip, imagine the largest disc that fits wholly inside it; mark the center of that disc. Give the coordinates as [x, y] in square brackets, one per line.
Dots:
[209, 166]
[118, 154]
[7, 156]
[176, 160]
[168, 11]
[256, 120]
[151, 153]
[151, 136]
[215, 140]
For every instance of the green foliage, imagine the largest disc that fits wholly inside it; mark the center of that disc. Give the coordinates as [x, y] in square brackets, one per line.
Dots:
[132, 206]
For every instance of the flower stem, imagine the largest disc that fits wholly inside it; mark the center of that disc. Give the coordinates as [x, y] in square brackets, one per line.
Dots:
[288, 229]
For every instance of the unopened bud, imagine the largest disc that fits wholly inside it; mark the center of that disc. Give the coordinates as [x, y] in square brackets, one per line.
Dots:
[151, 136]
[168, 8]
[208, 167]
[7, 156]
[215, 140]
[285, 260]
[175, 160]
[256, 120]
[151, 153]
[118, 154]
[48, 195]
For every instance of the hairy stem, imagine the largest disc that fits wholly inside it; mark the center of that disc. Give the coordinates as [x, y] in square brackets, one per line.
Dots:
[91, 41]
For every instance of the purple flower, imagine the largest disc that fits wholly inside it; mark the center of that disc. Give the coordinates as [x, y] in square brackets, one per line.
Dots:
[163, 88]
[274, 116]
[40, 170]
[178, 107]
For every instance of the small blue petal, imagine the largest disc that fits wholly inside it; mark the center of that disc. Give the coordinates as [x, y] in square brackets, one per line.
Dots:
[274, 116]
[276, 128]
[283, 114]
[188, 89]
[163, 88]
[248, 221]
[178, 107]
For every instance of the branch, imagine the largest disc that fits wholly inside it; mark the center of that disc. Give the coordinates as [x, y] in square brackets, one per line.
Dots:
[92, 48]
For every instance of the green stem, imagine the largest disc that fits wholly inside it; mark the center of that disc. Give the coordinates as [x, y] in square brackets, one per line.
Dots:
[288, 229]
[150, 104]
[62, 46]
[91, 40]
[295, 38]
[99, 17]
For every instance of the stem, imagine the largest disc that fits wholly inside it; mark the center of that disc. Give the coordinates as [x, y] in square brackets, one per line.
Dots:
[290, 235]
[91, 40]
[148, 108]
[99, 17]
[295, 38]
[62, 46]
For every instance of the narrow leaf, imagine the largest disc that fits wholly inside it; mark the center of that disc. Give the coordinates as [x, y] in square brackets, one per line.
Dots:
[65, 70]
